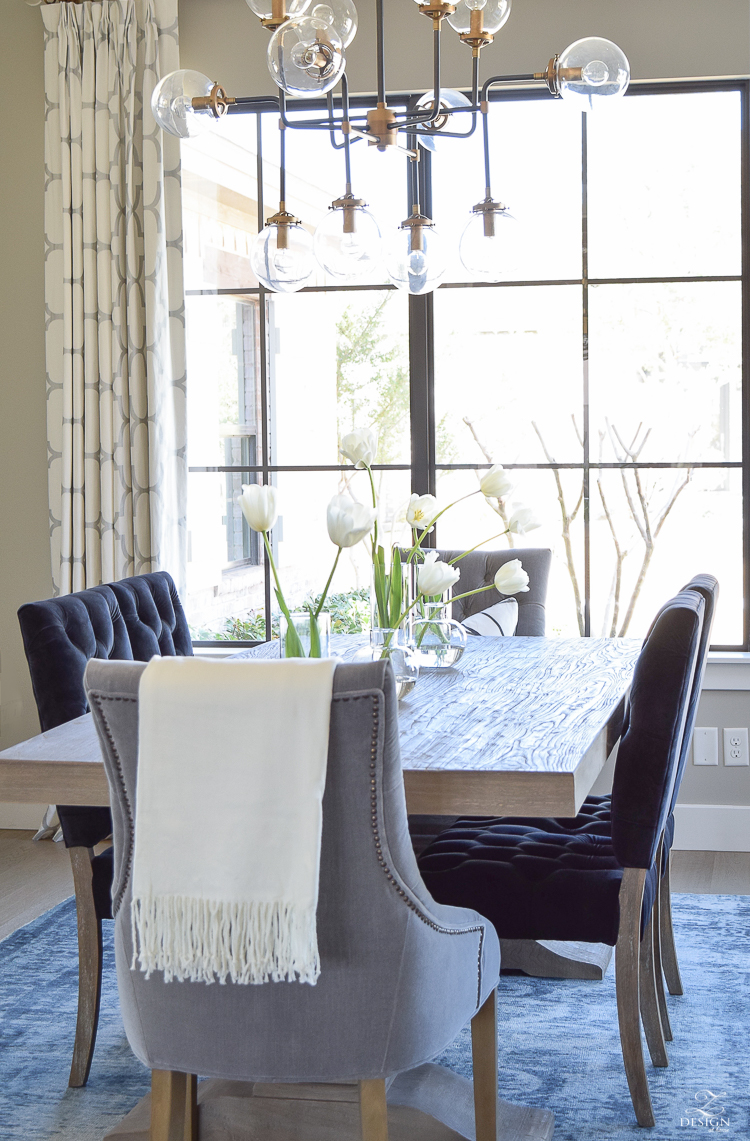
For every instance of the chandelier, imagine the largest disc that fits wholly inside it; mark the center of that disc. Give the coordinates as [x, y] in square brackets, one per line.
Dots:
[307, 57]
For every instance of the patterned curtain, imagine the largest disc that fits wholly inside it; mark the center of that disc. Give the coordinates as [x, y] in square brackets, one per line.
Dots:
[115, 334]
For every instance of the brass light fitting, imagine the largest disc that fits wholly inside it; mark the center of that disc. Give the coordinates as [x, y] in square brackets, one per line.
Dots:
[476, 37]
[217, 101]
[554, 74]
[382, 125]
[417, 224]
[437, 12]
[489, 209]
[283, 220]
[349, 204]
[278, 16]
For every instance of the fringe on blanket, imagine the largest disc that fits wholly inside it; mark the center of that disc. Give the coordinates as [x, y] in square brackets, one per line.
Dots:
[202, 940]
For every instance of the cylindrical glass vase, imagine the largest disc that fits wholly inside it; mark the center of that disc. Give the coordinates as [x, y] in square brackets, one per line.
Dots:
[439, 640]
[397, 647]
[392, 591]
[308, 637]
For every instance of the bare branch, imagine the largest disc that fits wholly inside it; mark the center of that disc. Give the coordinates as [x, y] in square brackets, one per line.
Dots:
[566, 521]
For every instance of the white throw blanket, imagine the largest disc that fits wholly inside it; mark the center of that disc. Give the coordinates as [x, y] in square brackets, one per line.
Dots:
[231, 773]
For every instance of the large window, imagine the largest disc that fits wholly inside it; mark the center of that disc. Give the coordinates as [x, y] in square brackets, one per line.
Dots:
[606, 369]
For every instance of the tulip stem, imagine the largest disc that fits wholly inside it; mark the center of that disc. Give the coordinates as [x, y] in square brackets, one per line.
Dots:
[375, 506]
[479, 590]
[328, 584]
[417, 546]
[472, 549]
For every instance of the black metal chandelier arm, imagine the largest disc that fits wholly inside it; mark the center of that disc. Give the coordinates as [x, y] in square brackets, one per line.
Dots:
[488, 83]
[329, 100]
[441, 134]
[380, 49]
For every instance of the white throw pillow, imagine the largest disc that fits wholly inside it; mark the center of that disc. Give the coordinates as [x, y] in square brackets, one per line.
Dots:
[498, 621]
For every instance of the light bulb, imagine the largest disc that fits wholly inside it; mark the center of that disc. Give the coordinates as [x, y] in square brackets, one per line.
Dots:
[340, 15]
[172, 103]
[344, 253]
[604, 73]
[415, 258]
[264, 8]
[494, 15]
[486, 244]
[282, 257]
[305, 57]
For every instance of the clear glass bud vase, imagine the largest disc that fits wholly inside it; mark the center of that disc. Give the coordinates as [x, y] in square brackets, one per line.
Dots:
[308, 637]
[398, 647]
[392, 592]
[439, 640]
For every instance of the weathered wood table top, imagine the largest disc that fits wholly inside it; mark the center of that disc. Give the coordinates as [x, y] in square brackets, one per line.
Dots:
[521, 726]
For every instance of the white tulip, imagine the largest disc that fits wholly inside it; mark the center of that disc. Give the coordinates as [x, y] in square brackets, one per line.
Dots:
[360, 446]
[511, 578]
[435, 577]
[522, 520]
[348, 522]
[258, 503]
[421, 511]
[496, 483]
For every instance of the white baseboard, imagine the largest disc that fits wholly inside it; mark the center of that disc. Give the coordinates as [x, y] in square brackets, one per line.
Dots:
[712, 828]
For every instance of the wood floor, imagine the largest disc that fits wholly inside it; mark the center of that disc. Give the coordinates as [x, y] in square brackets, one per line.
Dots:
[34, 877]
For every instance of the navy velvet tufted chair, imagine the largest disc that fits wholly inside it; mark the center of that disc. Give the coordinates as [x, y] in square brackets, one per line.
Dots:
[135, 618]
[543, 880]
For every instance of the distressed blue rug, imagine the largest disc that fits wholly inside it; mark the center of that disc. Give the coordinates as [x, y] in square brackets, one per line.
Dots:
[559, 1045]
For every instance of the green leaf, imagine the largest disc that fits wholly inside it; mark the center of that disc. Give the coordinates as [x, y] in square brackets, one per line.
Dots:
[396, 588]
[314, 638]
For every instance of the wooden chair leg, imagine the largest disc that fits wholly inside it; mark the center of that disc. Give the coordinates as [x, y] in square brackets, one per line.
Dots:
[191, 1108]
[484, 1063]
[649, 1001]
[89, 966]
[628, 1006]
[373, 1110]
[661, 997]
[170, 1101]
[666, 934]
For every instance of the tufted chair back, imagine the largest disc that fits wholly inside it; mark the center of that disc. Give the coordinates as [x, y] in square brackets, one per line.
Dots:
[479, 569]
[135, 618]
[651, 744]
[400, 974]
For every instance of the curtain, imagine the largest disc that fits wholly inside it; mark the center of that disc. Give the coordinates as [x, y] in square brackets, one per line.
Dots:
[115, 335]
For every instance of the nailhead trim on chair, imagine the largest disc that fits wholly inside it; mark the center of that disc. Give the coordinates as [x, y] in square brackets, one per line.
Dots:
[117, 900]
[376, 700]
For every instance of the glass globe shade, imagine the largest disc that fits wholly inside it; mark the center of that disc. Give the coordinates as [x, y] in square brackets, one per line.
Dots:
[416, 270]
[486, 256]
[605, 73]
[171, 103]
[284, 267]
[347, 255]
[264, 8]
[494, 15]
[340, 15]
[304, 57]
[448, 98]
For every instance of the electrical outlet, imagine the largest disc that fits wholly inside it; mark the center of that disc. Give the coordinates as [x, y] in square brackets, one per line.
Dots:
[735, 747]
[705, 746]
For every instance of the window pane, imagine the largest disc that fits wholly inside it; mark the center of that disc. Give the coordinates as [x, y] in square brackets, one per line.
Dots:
[339, 361]
[664, 186]
[220, 205]
[507, 359]
[473, 520]
[223, 369]
[527, 139]
[667, 358]
[695, 527]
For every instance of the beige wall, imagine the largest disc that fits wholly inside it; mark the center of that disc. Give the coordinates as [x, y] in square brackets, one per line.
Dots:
[662, 38]
[24, 532]
[224, 39]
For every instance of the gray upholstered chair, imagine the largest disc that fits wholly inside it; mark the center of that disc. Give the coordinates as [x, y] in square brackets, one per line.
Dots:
[400, 974]
[479, 569]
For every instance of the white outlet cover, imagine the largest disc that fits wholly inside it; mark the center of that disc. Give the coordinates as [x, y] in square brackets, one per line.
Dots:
[705, 746]
[735, 747]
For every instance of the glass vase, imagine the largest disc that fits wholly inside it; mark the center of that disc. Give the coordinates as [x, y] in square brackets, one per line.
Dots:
[392, 591]
[309, 637]
[397, 646]
[439, 640]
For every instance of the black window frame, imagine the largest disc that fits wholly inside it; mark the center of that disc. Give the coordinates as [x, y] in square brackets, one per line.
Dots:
[424, 467]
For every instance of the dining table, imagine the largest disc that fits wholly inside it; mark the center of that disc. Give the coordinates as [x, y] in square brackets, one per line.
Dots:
[518, 726]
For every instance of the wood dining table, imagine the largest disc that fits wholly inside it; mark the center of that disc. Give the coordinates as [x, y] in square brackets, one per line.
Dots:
[519, 726]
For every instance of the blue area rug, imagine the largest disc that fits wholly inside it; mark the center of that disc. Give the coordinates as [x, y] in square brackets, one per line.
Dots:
[559, 1045]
